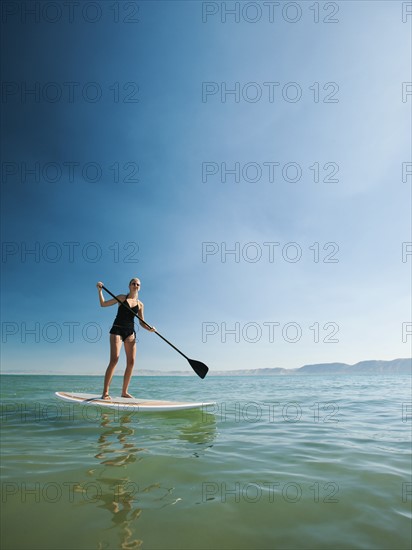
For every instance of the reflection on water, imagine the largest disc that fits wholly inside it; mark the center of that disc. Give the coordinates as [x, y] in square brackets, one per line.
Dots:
[125, 452]
[201, 432]
[125, 495]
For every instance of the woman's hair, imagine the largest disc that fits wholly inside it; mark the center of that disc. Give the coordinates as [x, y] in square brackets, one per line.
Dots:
[131, 280]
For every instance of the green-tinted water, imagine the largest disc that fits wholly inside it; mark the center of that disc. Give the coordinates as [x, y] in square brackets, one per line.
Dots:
[280, 462]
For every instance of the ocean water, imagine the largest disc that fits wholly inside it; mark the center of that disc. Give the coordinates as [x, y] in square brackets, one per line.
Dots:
[291, 462]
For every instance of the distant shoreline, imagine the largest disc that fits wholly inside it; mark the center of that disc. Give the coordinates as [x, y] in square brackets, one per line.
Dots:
[372, 367]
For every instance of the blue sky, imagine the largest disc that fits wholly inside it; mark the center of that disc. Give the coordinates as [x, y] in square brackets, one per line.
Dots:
[155, 225]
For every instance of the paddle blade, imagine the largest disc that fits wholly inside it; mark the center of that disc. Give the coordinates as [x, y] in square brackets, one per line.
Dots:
[200, 368]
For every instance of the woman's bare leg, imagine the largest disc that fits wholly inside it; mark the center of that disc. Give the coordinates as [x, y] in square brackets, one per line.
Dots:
[130, 349]
[115, 346]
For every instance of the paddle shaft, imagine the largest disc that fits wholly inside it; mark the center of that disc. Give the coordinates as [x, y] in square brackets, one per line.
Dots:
[125, 304]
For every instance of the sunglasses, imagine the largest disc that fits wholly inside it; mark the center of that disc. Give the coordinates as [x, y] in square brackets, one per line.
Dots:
[135, 284]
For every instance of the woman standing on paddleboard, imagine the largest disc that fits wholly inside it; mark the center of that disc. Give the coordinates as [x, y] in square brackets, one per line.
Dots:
[123, 331]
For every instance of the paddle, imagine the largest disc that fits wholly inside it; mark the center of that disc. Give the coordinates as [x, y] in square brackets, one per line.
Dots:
[200, 368]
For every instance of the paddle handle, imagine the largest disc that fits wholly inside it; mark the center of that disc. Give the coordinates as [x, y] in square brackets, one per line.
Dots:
[125, 304]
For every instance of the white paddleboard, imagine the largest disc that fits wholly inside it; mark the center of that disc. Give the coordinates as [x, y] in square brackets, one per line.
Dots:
[130, 404]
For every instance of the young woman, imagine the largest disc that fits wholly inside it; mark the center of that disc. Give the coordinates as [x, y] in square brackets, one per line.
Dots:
[123, 331]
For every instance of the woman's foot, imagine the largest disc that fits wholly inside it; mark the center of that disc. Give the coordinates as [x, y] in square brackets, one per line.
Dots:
[106, 396]
[126, 394]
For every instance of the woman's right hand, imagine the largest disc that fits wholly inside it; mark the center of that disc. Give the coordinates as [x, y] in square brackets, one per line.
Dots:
[99, 285]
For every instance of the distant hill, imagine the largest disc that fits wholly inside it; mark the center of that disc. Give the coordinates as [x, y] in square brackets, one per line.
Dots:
[374, 367]
[396, 366]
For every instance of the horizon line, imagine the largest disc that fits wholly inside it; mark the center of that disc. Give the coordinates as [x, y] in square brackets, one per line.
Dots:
[156, 372]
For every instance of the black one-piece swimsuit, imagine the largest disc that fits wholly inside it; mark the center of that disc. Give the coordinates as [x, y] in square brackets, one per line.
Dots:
[123, 325]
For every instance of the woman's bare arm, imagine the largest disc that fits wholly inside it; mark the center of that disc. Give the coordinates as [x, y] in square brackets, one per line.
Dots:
[106, 303]
[141, 314]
